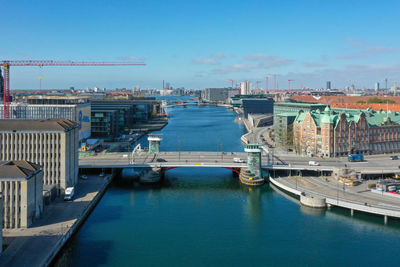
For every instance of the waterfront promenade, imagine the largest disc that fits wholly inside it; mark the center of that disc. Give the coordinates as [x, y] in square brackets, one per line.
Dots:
[40, 243]
[357, 198]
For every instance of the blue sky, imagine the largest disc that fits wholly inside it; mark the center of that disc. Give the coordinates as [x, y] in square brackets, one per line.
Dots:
[198, 44]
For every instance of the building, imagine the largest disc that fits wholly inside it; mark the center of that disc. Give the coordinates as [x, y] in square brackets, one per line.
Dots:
[237, 100]
[1, 91]
[1, 223]
[376, 86]
[283, 128]
[216, 94]
[52, 144]
[245, 88]
[330, 100]
[258, 106]
[284, 115]
[21, 184]
[328, 85]
[339, 132]
[292, 107]
[73, 108]
[112, 117]
[105, 123]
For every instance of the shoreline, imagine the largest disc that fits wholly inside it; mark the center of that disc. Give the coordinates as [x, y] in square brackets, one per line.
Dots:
[39, 244]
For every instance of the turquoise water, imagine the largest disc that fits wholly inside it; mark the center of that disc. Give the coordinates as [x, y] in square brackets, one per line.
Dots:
[204, 217]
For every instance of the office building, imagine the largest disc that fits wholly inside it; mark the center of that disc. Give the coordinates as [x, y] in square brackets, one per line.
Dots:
[339, 132]
[376, 86]
[216, 94]
[245, 88]
[283, 128]
[258, 106]
[328, 85]
[21, 184]
[111, 117]
[73, 108]
[51, 143]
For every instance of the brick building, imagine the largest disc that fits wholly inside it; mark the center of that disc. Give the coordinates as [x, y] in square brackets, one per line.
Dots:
[340, 132]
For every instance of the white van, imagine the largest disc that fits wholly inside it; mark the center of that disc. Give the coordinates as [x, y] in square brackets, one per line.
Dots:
[238, 160]
[313, 163]
[69, 193]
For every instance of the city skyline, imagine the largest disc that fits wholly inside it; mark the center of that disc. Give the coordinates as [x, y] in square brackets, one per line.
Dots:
[202, 44]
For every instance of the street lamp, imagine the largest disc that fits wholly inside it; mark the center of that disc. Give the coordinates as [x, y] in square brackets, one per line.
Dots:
[179, 148]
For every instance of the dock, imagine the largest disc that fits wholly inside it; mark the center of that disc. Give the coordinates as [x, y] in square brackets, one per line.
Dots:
[39, 244]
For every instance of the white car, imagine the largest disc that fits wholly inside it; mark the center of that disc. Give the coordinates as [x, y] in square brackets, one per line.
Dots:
[69, 193]
[84, 177]
[313, 163]
[238, 160]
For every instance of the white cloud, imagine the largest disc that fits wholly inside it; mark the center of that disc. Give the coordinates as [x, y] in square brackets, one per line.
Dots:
[206, 61]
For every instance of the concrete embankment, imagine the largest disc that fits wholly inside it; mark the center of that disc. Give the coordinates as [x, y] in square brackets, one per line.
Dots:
[39, 244]
[342, 202]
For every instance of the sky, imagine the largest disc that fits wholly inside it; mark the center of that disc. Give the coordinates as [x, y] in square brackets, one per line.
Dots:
[200, 44]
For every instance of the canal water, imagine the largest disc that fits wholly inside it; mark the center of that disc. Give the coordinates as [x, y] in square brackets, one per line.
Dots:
[204, 217]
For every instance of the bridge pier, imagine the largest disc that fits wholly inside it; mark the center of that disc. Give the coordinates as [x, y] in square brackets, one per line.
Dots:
[154, 143]
[252, 175]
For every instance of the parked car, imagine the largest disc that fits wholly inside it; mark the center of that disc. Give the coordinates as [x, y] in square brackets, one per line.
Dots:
[69, 193]
[313, 163]
[101, 174]
[394, 157]
[84, 177]
[161, 160]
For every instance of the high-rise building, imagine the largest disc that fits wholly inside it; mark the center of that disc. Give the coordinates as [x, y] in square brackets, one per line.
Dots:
[245, 88]
[328, 85]
[376, 86]
[51, 143]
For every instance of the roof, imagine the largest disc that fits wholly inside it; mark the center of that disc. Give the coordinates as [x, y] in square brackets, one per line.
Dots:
[17, 169]
[287, 114]
[332, 116]
[37, 125]
[299, 104]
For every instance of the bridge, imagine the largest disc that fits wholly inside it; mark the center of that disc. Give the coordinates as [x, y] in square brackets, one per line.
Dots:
[248, 165]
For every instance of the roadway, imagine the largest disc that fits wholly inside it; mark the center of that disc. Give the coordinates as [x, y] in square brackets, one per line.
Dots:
[376, 164]
[164, 159]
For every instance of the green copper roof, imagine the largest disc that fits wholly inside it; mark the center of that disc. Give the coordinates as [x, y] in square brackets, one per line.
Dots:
[332, 116]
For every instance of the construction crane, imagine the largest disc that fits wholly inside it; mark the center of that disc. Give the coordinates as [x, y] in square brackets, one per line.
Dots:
[230, 80]
[8, 63]
[266, 82]
[289, 81]
[275, 81]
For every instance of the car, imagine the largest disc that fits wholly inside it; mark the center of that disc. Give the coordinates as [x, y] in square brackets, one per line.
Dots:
[161, 160]
[238, 160]
[84, 177]
[395, 157]
[313, 163]
[69, 193]
[101, 174]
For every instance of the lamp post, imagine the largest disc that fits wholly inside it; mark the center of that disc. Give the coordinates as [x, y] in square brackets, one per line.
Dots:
[179, 148]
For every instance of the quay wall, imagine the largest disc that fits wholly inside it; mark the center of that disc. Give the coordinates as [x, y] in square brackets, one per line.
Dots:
[352, 205]
[75, 227]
